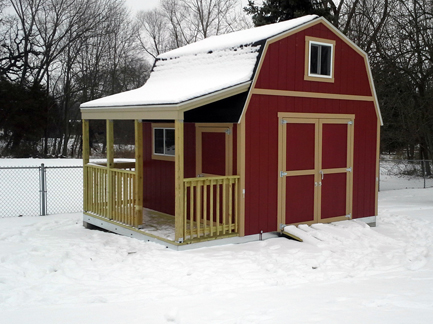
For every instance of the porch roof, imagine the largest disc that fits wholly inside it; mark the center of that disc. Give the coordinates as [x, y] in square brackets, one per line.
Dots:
[191, 76]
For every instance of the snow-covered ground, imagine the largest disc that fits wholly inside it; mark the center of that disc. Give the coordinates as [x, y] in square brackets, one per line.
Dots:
[20, 188]
[52, 270]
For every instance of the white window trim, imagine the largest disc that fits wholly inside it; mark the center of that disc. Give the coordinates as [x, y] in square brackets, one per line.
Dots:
[331, 61]
[161, 156]
[308, 76]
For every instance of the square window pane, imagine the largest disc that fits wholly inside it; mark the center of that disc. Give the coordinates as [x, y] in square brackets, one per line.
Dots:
[158, 134]
[325, 62]
[169, 141]
[314, 59]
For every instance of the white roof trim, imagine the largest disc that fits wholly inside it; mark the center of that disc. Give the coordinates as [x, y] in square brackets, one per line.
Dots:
[169, 112]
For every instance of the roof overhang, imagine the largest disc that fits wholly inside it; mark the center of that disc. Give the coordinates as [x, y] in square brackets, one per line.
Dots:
[160, 112]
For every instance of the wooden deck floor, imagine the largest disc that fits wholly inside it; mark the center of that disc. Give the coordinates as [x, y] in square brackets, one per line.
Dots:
[158, 224]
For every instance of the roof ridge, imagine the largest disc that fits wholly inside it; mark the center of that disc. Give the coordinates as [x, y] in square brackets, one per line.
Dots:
[237, 38]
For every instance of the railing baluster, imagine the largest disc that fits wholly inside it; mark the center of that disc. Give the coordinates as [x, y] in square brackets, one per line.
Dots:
[115, 194]
[191, 211]
[211, 205]
[198, 207]
[224, 206]
[205, 222]
[122, 197]
[185, 209]
[218, 207]
[236, 184]
[128, 199]
[118, 180]
[98, 194]
[230, 204]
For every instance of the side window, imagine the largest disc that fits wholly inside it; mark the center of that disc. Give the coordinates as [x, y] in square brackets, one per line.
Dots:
[163, 142]
[319, 60]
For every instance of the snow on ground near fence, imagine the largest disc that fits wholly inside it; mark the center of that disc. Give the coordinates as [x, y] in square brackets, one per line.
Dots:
[52, 270]
[399, 174]
[403, 182]
[20, 188]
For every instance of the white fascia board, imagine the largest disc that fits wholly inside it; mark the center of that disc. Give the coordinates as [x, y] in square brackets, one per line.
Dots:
[163, 112]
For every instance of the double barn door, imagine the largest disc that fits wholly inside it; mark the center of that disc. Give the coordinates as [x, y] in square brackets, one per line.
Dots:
[315, 163]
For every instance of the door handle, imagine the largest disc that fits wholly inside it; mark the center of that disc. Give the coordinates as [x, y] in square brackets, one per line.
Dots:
[321, 173]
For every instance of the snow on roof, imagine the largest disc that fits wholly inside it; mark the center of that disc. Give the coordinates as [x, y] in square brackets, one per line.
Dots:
[243, 37]
[204, 67]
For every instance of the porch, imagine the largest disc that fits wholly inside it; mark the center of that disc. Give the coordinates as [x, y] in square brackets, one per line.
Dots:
[206, 208]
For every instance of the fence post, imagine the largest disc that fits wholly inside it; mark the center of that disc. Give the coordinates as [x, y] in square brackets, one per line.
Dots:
[424, 170]
[42, 191]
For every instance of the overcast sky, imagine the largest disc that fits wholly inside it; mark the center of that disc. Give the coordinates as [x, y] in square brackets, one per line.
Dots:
[137, 5]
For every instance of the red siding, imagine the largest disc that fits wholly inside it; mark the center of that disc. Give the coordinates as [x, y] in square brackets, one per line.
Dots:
[158, 176]
[283, 69]
[283, 66]
[261, 167]
[158, 183]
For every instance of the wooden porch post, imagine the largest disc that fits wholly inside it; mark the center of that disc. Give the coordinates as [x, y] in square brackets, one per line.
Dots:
[110, 165]
[85, 156]
[138, 189]
[241, 172]
[178, 164]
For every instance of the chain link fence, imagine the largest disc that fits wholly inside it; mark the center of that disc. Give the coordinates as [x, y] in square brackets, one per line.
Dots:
[40, 190]
[405, 174]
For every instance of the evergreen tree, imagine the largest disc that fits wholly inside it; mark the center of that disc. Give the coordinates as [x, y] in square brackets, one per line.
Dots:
[24, 118]
[273, 11]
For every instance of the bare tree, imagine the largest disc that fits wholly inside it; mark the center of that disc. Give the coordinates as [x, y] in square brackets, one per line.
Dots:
[403, 66]
[74, 50]
[153, 32]
[181, 22]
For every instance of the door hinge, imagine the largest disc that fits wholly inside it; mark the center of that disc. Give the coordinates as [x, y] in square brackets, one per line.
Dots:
[282, 174]
[283, 121]
[350, 123]
[349, 216]
[228, 132]
[349, 169]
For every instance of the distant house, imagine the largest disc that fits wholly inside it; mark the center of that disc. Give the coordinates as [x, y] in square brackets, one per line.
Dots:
[240, 134]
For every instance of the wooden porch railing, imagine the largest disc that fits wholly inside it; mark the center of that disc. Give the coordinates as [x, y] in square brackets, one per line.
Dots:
[96, 189]
[210, 207]
[210, 204]
[110, 193]
[123, 196]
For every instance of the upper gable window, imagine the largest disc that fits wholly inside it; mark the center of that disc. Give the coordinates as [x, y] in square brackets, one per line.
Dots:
[319, 61]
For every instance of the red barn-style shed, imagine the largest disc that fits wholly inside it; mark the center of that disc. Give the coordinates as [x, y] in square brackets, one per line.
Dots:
[242, 134]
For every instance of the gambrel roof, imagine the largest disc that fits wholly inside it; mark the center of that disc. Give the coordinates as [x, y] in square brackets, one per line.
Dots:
[203, 72]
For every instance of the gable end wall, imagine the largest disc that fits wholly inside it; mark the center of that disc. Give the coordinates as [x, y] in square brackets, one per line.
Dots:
[283, 69]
